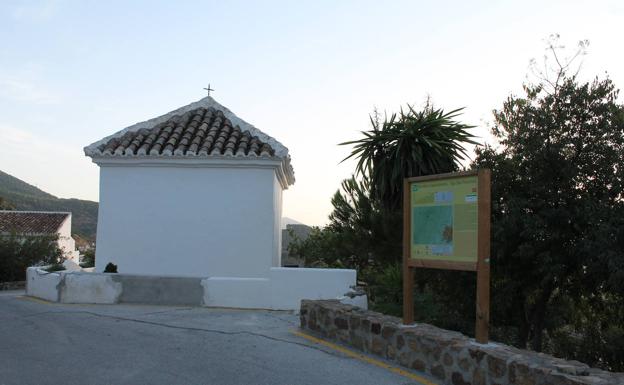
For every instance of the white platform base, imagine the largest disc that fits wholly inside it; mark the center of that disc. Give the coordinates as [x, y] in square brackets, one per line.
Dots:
[282, 289]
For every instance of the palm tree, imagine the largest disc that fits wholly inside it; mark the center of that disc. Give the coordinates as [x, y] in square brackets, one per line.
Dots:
[413, 143]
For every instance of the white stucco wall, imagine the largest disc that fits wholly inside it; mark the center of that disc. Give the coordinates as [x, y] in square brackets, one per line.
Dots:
[89, 288]
[72, 286]
[282, 290]
[277, 223]
[42, 284]
[188, 221]
[244, 293]
[66, 242]
[290, 285]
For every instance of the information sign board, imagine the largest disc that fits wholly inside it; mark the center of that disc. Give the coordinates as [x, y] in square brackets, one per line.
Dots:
[444, 219]
[446, 225]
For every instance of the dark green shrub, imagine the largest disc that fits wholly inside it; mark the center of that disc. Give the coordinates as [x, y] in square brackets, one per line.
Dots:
[88, 258]
[17, 253]
[110, 268]
[386, 289]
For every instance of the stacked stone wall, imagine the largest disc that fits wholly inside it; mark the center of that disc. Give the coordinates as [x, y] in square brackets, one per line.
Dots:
[449, 357]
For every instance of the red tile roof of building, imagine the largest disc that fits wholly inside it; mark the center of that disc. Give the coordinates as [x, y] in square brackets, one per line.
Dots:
[200, 132]
[203, 129]
[31, 222]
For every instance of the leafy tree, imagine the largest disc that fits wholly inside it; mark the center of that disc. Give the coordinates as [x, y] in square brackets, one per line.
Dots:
[356, 236]
[18, 253]
[558, 212]
[367, 232]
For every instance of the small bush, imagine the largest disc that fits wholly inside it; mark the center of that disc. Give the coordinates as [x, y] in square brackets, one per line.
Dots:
[110, 268]
[18, 252]
[386, 289]
[88, 258]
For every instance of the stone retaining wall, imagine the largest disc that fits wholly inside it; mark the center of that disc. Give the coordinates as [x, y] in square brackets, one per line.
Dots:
[450, 357]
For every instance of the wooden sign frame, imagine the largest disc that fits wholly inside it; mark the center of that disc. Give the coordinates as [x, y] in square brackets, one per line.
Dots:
[481, 267]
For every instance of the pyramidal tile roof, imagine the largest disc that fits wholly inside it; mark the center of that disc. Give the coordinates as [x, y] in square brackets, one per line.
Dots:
[204, 129]
[199, 132]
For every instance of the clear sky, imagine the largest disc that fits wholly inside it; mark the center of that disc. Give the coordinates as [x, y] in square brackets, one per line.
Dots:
[306, 73]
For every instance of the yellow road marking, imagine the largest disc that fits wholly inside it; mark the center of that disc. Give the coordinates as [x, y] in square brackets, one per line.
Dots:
[46, 302]
[38, 300]
[365, 358]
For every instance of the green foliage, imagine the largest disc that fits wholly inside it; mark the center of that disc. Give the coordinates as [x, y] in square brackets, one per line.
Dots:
[558, 221]
[18, 253]
[27, 197]
[365, 229]
[110, 268]
[558, 213]
[88, 258]
[386, 289]
[412, 143]
[358, 235]
[365, 225]
[589, 329]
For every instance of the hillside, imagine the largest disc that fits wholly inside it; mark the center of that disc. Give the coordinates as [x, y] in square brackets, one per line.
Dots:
[24, 196]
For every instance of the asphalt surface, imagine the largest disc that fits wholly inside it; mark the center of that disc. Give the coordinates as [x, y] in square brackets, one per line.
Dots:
[48, 343]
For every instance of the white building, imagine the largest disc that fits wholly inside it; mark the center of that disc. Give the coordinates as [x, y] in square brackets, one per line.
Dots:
[197, 192]
[41, 223]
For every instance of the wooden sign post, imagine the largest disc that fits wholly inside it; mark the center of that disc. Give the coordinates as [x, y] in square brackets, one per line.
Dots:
[446, 225]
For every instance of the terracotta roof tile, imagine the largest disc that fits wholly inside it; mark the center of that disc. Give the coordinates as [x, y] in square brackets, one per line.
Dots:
[200, 132]
[31, 222]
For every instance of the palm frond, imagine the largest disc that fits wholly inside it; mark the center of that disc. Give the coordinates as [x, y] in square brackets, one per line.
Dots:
[410, 143]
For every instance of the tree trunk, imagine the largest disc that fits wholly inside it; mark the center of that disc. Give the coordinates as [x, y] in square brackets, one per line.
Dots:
[525, 327]
[539, 314]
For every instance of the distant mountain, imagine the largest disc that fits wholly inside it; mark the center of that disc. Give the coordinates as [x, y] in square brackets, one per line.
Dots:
[289, 221]
[23, 196]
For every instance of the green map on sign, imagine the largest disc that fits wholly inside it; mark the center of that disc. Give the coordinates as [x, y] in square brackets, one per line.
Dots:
[433, 225]
[444, 219]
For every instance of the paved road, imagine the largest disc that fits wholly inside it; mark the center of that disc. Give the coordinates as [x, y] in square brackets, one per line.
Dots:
[45, 343]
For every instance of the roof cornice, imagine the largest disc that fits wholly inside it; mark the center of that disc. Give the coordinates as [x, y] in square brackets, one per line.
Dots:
[36, 212]
[283, 173]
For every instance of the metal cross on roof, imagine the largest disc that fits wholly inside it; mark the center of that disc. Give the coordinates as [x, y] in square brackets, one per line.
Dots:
[208, 89]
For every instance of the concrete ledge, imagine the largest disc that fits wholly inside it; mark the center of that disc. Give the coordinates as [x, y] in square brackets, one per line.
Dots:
[41, 284]
[158, 290]
[245, 293]
[102, 288]
[451, 357]
[87, 288]
[290, 285]
[283, 289]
